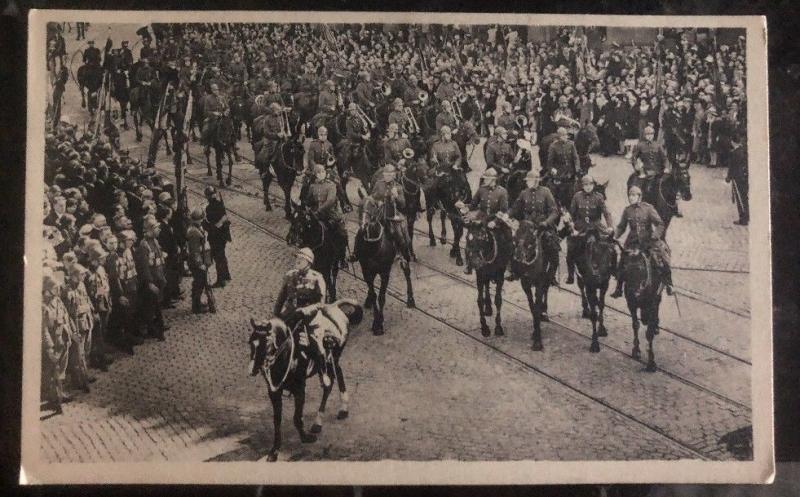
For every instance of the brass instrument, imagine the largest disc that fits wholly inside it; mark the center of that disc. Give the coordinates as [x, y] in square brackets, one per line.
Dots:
[521, 121]
[455, 111]
[574, 124]
[330, 160]
[366, 121]
[411, 122]
[423, 97]
[386, 89]
[286, 127]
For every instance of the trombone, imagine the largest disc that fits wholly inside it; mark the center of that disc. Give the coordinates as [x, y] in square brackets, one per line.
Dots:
[286, 127]
[411, 122]
[365, 120]
[455, 111]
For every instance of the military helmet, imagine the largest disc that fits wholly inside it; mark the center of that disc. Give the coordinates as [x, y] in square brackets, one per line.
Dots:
[634, 190]
[307, 254]
[197, 214]
[500, 129]
[389, 169]
[210, 190]
[587, 180]
[490, 173]
[532, 175]
[318, 169]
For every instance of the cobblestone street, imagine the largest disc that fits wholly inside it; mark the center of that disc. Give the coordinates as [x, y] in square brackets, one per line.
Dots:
[432, 387]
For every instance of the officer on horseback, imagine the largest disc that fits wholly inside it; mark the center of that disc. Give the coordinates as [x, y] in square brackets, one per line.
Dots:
[321, 197]
[645, 231]
[445, 154]
[498, 150]
[587, 209]
[356, 132]
[394, 145]
[537, 205]
[397, 116]
[389, 194]
[649, 161]
[326, 102]
[490, 200]
[445, 117]
[91, 55]
[302, 286]
[562, 166]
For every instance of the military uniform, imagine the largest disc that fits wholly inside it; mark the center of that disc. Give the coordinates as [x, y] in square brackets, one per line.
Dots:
[587, 210]
[390, 194]
[99, 290]
[150, 270]
[57, 331]
[91, 56]
[81, 312]
[199, 262]
[218, 228]
[652, 155]
[498, 153]
[445, 118]
[363, 95]
[397, 117]
[490, 200]
[327, 102]
[446, 154]
[646, 230]
[538, 206]
[299, 289]
[124, 283]
[507, 121]
[319, 152]
[393, 149]
[563, 157]
[445, 91]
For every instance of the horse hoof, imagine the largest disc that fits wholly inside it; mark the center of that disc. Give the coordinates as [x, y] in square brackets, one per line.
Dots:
[315, 428]
[413, 257]
[545, 318]
[138, 138]
[410, 303]
[228, 181]
[651, 367]
[209, 174]
[308, 438]
[443, 241]
[636, 354]
[377, 330]
[498, 331]
[267, 207]
[288, 216]
[342, 414]
[272, 456]
[594, 347]
[537, 346]
[585, 314]
[485, 331]
[459, 261]
[432, 242]
[602, 332]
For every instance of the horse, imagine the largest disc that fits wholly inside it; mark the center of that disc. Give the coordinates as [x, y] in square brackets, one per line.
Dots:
[144, 101]
[376, 255]
[240, 113]
[643, 296]
[595, 264]
[663, 191]
[221, 136]
[529, 261]
[412, 179]
[488, 252]
[305, 104]
[283, 162]
[307, 230]
[89, 78]
[121, 93]
[285, 360]
[444, 191]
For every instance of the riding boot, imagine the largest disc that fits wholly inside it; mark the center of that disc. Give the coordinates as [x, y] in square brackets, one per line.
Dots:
[467, 267]
[197, 306]
[570, 272]
[618, 291]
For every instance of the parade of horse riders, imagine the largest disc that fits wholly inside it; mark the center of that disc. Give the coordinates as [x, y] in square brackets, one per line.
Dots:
[296, 179]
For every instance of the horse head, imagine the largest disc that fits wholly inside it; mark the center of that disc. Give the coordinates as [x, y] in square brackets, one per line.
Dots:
[527, 244]
[683, 181]
[264, 344]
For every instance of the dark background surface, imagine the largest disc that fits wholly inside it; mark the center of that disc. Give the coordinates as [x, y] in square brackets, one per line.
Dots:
[784, 87]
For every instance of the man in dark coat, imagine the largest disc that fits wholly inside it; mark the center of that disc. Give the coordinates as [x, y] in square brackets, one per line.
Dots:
[218, 228]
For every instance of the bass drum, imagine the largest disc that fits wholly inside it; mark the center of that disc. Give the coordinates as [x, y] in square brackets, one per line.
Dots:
[355, 191]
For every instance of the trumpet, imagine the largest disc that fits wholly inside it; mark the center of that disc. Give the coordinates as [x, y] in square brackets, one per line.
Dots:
[411, 122]
[385, 88]
[521, 121]
[330, 160]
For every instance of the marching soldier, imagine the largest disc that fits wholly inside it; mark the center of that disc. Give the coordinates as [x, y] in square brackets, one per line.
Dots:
[645, 231]
[322, 198]
[99, 290]
[587, 209]
[81, 312]
[445, 117]
[199, 262]
[489, 200]
[57, 331]
[739, 178]
[219, 234]
[649, 160]
[302, 286]
[445, 154]
[152, 280]
[537, 205]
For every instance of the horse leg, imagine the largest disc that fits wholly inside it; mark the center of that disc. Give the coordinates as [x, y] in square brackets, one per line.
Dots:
[652, 331]
[343, 409]
[277, 414]
[443, 239]
[484, 328]
[326, 391]
[584, 300]
[382, 300]
[635, 353]
[138, 126]
[601, 305]
[458, 231]
[429, 216]
[369, 302]
[409, 288]
[334, 272]
[207, 153]
[218, 156]
[230, 169]
[299, 402]
[536, 335]
[487, 299]
[83, 98]
[266, 179]
[411, 253]
[166, 143]
[287, 201]
[498, 303]
[592, 298]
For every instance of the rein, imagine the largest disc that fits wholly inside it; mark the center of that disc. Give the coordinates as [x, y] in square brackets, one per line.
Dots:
[268, 377]
[661, 195]
[538, 246]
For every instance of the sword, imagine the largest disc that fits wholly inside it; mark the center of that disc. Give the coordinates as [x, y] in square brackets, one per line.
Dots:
[675, 294]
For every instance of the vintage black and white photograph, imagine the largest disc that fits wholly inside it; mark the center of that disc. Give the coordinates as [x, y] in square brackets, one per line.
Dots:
[421, 242]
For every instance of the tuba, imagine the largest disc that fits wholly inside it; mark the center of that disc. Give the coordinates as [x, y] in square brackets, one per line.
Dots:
[423, 97]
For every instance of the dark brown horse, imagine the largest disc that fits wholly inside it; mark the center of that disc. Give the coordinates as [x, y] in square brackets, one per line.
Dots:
[643, 295]
[307, 230]
[529, 261]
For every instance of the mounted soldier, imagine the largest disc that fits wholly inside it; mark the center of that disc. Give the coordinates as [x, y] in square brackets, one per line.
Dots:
[398, 115]
[388, 195]
[537, 205]
[490, 200]
[357, 134]
[322, 198]
[214, 105]
[563, 164]
[649, 162]
[445, 117]
[587, 210]
[301, 287]
[395, 144]
[645, 233]
[445, 154]
[497, 151]
[91, 55]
